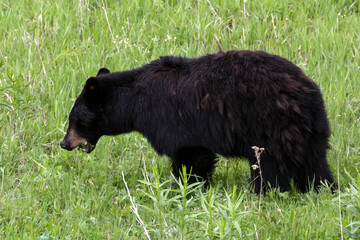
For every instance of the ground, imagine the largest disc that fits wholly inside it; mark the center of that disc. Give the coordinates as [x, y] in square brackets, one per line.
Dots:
[48, 50]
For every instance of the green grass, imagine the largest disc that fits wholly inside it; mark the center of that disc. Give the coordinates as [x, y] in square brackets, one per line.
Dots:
[49, 48]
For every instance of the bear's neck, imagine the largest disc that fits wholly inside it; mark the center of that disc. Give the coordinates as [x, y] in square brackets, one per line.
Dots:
[117, 108]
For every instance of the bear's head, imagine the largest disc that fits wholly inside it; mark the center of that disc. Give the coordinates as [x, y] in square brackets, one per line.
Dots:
[84, 126]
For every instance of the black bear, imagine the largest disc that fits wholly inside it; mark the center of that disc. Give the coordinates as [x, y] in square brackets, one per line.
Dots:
[225, 103]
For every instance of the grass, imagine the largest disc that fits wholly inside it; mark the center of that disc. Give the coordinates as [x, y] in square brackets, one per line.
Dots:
[124, 189]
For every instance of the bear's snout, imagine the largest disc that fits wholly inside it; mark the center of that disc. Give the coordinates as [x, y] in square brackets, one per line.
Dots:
[65, 145]
[72, 140]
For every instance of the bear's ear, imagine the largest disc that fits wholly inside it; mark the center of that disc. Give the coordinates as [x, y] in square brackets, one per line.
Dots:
[103, 71]
[92, 85]
[92, 92]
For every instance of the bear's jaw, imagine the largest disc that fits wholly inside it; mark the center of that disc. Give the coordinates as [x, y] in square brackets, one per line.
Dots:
[87, 147]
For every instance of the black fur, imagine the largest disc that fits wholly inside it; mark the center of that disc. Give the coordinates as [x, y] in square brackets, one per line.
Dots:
[224, 103]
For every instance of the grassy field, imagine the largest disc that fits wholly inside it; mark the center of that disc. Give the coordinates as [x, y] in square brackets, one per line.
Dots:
[124, 190]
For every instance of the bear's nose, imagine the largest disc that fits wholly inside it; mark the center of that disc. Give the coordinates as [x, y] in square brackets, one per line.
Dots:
[64, 144]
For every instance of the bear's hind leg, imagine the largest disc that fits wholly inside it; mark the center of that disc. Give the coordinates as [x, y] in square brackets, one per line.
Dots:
[315, 167]
[318, 171]
[271, 175]
[199, 161]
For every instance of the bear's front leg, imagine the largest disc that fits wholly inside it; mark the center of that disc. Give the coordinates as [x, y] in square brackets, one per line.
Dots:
[199, 163]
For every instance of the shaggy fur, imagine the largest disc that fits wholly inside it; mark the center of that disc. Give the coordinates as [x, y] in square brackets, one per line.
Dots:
[224, 103]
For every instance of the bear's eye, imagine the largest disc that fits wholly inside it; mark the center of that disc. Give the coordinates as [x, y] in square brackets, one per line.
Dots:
[80, 125]
[84, 123]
